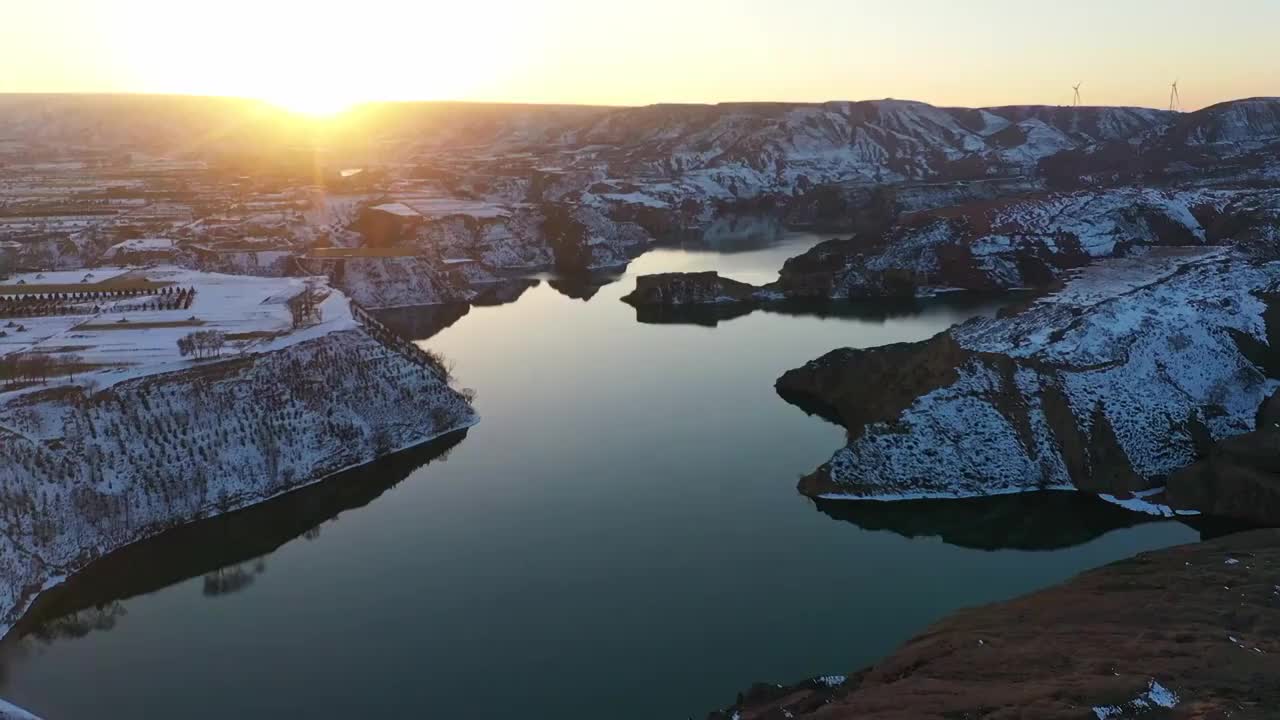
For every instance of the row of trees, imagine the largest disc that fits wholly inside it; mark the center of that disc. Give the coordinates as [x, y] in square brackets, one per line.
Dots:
[18, 368]
[74, 303]
[202, 344]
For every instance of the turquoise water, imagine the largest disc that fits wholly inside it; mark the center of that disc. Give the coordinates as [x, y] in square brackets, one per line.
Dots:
[619, 537]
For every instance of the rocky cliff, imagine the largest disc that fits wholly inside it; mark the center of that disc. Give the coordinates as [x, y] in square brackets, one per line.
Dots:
[704, 288]
[1239, 476]
[1120, 378]
[457, 258]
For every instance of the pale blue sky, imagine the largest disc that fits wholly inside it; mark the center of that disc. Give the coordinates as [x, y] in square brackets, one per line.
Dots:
[970, 52]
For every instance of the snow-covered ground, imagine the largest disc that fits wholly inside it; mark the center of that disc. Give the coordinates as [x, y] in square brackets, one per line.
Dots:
[126, 339]
[140, 246]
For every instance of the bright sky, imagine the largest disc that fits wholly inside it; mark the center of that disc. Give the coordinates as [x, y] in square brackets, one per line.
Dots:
[321, 54]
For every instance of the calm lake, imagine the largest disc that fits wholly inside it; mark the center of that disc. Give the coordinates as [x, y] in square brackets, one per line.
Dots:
[620, 537]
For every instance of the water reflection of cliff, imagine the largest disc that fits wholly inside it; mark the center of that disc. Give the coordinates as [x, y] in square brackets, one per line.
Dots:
[1024, 521]
[227, 550]
[872, 311]
[421, 322]
[582, 285]
[740, 233]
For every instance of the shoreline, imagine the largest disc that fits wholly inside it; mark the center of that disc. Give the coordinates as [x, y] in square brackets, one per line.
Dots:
[54, 582]
[1197, 621]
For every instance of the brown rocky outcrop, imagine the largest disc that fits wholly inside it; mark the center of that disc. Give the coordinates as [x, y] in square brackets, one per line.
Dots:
[1188, 632]
[689, 289]
[836, 385]
[1240, 477]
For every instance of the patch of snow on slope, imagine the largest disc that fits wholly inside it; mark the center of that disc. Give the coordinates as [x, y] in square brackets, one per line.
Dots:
[1156, 696]
[397, 208]
[9, 711]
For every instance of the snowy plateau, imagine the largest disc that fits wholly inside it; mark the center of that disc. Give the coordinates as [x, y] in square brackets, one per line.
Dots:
[132, 438]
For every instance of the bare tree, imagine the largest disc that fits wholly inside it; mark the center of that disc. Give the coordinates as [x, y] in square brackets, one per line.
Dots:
[202, 344]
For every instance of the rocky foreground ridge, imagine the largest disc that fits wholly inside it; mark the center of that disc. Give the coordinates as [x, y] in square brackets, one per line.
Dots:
[1188, 632]
[85, 472]
[1126, 375]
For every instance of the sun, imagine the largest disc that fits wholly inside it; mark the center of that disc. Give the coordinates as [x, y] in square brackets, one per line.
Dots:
[313, 102]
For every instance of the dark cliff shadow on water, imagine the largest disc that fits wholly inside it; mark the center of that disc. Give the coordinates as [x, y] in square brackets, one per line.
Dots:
[227, 550]
[709, 315]
[423, 322]
[1050, 520]
[739, 233]
[502, 293]
[582, 285]
[878, 311]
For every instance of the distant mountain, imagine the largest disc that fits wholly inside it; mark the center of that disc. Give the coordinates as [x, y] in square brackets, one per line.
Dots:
[1229, 142]
[884, 140]
[1246, 124]
[728, 150]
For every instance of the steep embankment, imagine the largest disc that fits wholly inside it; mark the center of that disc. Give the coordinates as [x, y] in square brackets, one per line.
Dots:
[461, 257]
[1189, 632]
[1125, 375]
[994, 246]
[82, 473]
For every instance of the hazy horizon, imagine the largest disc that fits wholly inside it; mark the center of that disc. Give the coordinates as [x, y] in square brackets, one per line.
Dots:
[575, 52]
[535, 103]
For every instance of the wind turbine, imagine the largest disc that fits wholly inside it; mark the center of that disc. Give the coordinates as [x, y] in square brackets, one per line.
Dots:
[1076, 102]
[1175, 100]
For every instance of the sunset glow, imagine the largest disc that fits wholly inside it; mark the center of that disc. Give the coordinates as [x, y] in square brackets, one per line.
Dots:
[316, 102]
[319, 58]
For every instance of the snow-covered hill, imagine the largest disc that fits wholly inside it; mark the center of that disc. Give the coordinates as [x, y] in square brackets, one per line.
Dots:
[1107, 385]
[990, 246]
[1244, 124]
[1000, 245]
[745, 148]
